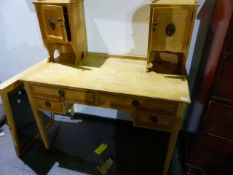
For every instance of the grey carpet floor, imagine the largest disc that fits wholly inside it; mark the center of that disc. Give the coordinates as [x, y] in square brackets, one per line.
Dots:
[133, 150]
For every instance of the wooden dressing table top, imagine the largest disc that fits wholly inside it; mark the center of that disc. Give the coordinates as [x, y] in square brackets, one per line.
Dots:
[174, 2]
[125, 76]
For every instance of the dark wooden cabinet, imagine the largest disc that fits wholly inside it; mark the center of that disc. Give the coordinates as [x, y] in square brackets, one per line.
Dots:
[219, 120]
[229, 46]
[213, 146]
[224, 83]
[214, 153]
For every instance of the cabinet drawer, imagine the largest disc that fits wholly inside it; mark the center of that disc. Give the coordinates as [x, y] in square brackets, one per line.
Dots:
[153, 121]
[131, 104]
[116, 102]
[212, 151]
[52, 106]
[229, 47]
[62, 94]
[159, 106]
[224, 83]
[219, 120]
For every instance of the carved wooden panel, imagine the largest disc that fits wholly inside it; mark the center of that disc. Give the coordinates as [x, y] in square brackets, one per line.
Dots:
[54, 23]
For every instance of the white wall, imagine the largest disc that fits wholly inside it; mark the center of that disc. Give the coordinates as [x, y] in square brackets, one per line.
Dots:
[113, 26]
[20, 41]
[117, 26]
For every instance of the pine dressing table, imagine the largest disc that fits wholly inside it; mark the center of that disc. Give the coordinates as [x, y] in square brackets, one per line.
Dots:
[156, 100]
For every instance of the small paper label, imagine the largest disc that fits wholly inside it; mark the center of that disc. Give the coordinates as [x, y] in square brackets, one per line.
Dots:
[184, 98]
[2, 133]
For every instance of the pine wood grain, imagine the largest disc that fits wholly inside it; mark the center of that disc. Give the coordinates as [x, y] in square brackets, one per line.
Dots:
[114, 75]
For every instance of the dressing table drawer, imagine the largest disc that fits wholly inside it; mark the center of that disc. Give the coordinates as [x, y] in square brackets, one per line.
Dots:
[114, 101]
[157, 106]
[153, 121]
[132, 104]
[52, 106]
[62, 94]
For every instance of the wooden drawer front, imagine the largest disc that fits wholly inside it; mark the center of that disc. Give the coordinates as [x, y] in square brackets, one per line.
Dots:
[219, 120]
[171, 28]
[153, 121]
[131, 104]
[61, 94]
[116, 102]
[229, 47]
[159, 106]
[224, 83]
[83, 97]
[50, 105]
[212, 151]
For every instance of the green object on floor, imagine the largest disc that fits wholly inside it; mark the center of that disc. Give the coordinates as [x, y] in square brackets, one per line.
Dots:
[103, 169]
[101, 148]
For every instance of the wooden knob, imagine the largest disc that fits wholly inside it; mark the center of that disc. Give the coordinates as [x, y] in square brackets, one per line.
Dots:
[170, 29]
[135, 103]
[154, 119]
[48, 104]
[62, 95]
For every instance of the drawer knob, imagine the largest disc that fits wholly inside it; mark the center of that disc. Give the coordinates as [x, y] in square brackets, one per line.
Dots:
[154, 119]
[48, 104]
[62, 95]
[170, 29]
[135, 103]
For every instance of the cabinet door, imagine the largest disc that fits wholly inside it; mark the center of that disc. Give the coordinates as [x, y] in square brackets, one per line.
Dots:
[53, 23]
[170, 28]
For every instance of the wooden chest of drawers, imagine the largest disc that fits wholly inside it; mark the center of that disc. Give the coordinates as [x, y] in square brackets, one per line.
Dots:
[213, 148]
